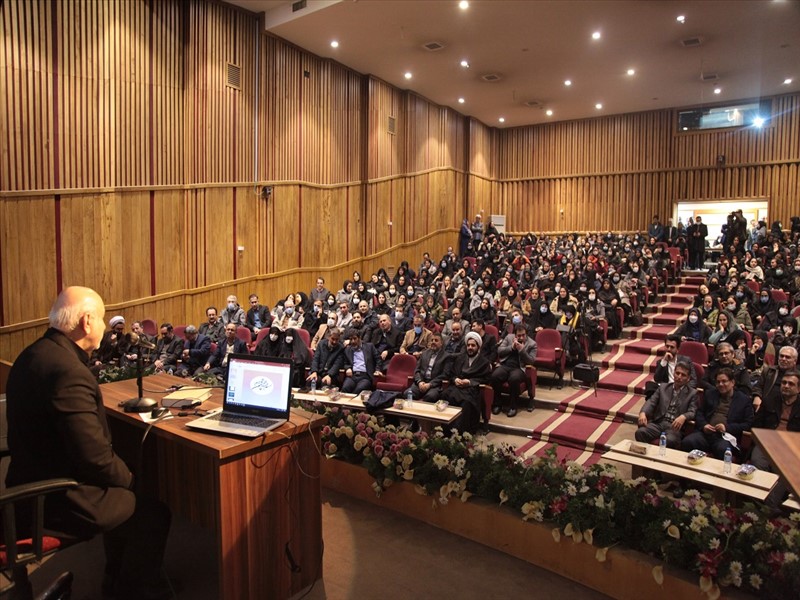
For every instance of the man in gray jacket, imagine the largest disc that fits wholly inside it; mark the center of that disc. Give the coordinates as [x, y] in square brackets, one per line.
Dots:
[668, 409]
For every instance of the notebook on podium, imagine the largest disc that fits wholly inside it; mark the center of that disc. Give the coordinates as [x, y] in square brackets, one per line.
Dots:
[257, 395]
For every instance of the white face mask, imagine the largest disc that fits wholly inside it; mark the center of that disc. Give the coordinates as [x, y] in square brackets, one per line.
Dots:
[331, 322]
[273, 337]
[693, 319]
[289, 339]
[783, 311]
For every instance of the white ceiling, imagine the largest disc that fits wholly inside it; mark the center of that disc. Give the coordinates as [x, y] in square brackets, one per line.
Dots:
[534, 45]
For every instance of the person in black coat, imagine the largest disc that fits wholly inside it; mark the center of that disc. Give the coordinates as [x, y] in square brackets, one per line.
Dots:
[328, 359]
[270, 345]
[258, 316]
[217, 363]
[468, 372]
[432, 369]
[360, 364]
[57, 428]
[697, 234]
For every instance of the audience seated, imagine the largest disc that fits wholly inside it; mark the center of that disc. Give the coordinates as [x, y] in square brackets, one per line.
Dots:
[431, 372]
[213, 328]
[195, 354]
[233, 313]
[169, 349]
[668, 409]
[217, 363]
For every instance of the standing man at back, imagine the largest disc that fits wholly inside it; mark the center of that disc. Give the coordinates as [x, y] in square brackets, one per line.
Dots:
[57, 428]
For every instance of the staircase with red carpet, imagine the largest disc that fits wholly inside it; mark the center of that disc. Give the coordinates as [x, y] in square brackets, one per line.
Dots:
[583, 422]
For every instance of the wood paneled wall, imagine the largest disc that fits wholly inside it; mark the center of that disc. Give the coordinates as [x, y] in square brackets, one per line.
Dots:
[127, 164]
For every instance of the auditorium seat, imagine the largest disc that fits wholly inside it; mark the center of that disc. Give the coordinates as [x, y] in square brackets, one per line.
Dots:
[399, 375]
[549, 354]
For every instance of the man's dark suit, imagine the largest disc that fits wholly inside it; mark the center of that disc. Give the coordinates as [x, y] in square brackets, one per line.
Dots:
[656, 410]
[216, 358]
[389, 341]
[489, 347]
[468, 398]
[57, 428]
[328, 361]
[358, 382]
[263, 316]
[738, 420]
[439, 373]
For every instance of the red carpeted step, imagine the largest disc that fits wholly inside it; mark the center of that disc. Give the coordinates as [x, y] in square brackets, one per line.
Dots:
[687, 289]
[663, 319]
[624, 381]
[567, 453]
[647, 347]
[677, 309]
[694, 279]
[576, 430]
[607, 403]
[631, 361]
[651, 332]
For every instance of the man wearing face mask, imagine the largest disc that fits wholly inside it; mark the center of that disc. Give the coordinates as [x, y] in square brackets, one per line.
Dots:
[328, 360]
[416, 339]
[233, 313]
[325, 330]
[515, 353]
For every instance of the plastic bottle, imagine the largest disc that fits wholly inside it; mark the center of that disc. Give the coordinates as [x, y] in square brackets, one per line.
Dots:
[409, 399]
[728, 460]
[314, 386]
[662, 444]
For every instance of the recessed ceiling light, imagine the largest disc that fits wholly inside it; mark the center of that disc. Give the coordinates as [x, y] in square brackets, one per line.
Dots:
[596, 35]
[463, 5]
[465, 64]
[680, 19]
[598, 106]
[549, 112]
[408, 75]
[631, 72]
[461, 101]
[567, 82]
[717, 90]
[502, 119]
[758, 121]
[334, 44]
[787, 81]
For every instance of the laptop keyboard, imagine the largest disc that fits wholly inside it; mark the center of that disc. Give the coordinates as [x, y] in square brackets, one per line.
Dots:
[242, 420]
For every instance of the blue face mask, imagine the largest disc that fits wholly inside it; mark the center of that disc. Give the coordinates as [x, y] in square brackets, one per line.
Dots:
[289, 310]
[764, 299]
[417, 329]
[516, 319]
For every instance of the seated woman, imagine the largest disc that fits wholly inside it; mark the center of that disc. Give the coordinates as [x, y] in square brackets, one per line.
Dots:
[542, 319]
[694, 329]
[294, 348]
[560, 302]
[726, 330]
[271, 344]
[382, 308]
[485, 312]
[594, 312]
[608, 295]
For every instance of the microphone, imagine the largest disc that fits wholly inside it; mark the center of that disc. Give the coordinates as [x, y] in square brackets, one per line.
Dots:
[135, 339]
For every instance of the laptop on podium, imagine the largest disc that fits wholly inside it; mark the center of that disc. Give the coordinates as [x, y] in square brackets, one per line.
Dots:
[258, 390]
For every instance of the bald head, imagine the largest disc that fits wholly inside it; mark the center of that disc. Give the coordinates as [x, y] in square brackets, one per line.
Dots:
[78, 313]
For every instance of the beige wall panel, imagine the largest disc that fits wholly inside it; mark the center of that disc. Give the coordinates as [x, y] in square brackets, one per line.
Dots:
[285, 242]
[215, 235]
[28, 257]
[170, 240]
[251, 232]
[81, 241]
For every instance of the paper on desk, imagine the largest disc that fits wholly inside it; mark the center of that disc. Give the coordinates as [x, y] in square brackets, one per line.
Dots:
[148, 419]
[730, 439]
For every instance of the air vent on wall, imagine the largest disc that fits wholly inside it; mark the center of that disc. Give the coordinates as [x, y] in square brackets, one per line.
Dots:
[491, 77]
[709, 77]
[299, 5]
[391, 125]
[692, 42]
[433, 46]
[233, 76]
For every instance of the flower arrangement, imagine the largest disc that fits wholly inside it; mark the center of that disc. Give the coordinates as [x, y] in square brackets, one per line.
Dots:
[116, 373]
[724, 546]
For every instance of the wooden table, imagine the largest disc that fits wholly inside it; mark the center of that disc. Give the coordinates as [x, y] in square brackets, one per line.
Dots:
[424, 411]
[783, 450]
[709, 472]
[251, 493]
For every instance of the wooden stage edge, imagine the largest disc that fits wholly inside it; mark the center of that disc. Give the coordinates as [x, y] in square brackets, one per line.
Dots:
[625, 574]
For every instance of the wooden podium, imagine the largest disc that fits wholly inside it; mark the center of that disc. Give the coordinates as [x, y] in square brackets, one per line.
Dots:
[261, 497]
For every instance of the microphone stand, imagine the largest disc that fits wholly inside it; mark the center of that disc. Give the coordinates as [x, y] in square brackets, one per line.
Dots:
[140, 403]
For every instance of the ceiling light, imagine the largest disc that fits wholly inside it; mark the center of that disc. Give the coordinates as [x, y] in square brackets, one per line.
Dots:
[758, 122]
[463, 5]
[596, 35]
[598, 106]
[787, 81]
[334, 44]
[568, 82]
[717, 90]
[549, 112]
[631, 72]
[502, 119]
[408, 75]
[465, 64]
[461, 101]
[681, 19]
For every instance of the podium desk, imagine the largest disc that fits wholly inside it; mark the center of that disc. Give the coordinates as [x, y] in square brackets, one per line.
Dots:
[265, 511]
[783, 449]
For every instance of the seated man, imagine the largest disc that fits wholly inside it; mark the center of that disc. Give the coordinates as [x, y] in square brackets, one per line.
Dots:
[196, 351]
[448, 324]
[213, 328]
[455, 342]
[488, 341]
[469, 370]
[344, 317]
[320, 292]
[360, 364]
[725, 359]
[668, 409]
[328, 360]
[112, 346]
[665, 369]
[169, 348]
[57, 428]
[725, 410]
[233, 313]
[131, 355]
[386, 339]
[770, 375]
[369, 318]
[515, 352]
[432, 369]
[417, 339]
[257, 318]
[779, 410]
[217, 363]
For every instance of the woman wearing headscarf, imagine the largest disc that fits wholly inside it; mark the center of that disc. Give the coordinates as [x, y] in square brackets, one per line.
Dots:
[542, 319]
[295, 349]
[726, 330]
[271, 344]
[694, 329]
[608, 295]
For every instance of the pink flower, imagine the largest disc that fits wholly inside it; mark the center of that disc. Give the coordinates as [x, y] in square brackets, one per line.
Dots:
[708, 562]
[340, 423]
[378, 449]
[558, 505]
[326, 430]
[775, 561]
[360, 427]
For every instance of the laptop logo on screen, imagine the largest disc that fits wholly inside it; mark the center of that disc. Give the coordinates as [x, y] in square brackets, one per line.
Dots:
[261, 386]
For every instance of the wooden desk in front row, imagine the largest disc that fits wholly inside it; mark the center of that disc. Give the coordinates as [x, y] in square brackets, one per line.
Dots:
[709, 472]
[424, 411]
[251, 493]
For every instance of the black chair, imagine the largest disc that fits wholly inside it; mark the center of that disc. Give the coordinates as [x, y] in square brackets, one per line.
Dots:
[17, 555]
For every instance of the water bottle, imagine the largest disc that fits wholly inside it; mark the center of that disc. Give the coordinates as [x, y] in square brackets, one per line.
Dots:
[313, 386]
[728, 460]
[409, 399]
[662, 444]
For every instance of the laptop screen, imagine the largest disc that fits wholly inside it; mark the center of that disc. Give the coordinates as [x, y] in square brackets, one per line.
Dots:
[258, 385]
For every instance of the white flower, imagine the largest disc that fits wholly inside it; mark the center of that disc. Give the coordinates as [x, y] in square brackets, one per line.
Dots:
[571, 490]
[744, 527]
[789, 557]
[674, 532]
[556, 534]
[569, 529]
[666, 524]
[503, 497]
[600, 555]
[692, 494]
[714, 511]
[658, 574]
[752, 516]
[706, 583]
[440, 460]
[756, 581]
[700, 505]
[698, 522]
[600, 502]
[736, 568]
[386, 461]
[758, 546]
[713, 544]
[795, 516]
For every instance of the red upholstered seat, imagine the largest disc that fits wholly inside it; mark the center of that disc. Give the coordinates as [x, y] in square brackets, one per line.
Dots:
[26, 546]
[180, 331]
[695, 351]
[305, 336]
[399, 374]
[493, 330]
[262, 333]
[149, 327]
[549, 353]
[244, 334]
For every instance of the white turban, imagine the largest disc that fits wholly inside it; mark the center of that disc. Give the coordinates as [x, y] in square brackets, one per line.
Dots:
[472, 335]
[116, 320]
